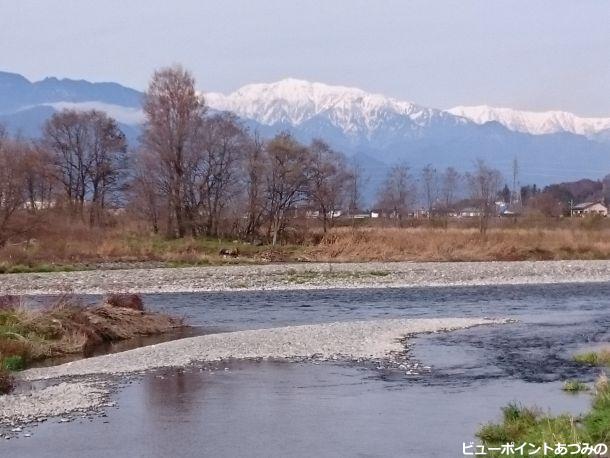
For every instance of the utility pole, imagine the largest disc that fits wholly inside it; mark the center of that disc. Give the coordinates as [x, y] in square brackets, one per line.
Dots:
[514, 198]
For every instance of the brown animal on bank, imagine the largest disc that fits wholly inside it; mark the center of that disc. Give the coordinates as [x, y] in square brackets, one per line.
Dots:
[228, 252]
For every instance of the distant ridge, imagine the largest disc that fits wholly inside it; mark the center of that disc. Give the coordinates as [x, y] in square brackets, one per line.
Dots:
[378, 130]
[534, 122]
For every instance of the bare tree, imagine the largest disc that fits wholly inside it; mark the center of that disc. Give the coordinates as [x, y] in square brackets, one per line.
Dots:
[174, 115]
[606, 189]
[12, 193]
[147, 189]
[430, 186]
[38, 178]
[66, 137]
[88, 150]
[217, 171]
[450, 186]
[108, 162]
[254, 165]
[356, 182]
[287, 177]
[328, 180]
[484, 184]
[397, 192]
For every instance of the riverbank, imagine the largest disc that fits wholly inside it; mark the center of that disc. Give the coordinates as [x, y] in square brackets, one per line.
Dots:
[66, 326]
[305, 276]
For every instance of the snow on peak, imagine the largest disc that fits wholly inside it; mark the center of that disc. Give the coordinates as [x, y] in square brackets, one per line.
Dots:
[533, 122]
[294, 101]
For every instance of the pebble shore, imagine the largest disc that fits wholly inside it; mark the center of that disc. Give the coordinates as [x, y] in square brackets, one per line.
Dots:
[305, 276]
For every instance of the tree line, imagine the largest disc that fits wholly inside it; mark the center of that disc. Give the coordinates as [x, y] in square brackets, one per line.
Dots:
[197, 172]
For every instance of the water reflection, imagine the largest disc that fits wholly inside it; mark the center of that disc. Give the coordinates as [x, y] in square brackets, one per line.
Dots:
[287, 409]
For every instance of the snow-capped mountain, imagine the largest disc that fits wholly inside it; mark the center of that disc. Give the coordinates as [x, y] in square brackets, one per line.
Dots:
[390, 130]
[533, 122]
[295, 102]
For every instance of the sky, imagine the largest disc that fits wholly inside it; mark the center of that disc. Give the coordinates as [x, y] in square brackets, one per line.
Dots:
[525, 54]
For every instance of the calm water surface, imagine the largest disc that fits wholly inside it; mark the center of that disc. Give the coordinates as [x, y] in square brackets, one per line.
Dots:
[275, 409]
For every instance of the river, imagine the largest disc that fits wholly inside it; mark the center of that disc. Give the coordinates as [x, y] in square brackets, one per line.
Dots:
[280, 409]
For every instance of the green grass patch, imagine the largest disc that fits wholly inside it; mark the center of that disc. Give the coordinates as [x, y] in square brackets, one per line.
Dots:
[574, 386]
[379, 273]
[302, 277]
[37, 268]
[531, 426]
[594, 358]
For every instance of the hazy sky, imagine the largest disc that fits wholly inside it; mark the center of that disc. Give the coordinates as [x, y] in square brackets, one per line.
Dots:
[529, 54]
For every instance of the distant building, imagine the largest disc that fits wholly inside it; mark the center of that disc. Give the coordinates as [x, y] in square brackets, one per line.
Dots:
[470, 212]
[590, 208]
[38, 204]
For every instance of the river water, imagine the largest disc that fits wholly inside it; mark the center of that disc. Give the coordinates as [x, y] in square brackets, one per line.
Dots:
[282, 409]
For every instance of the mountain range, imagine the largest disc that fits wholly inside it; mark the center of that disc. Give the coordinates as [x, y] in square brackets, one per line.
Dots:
[377, 130]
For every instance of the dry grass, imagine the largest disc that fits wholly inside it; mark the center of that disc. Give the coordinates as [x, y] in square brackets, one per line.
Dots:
[594, 358]
[63, 246]
[454, 244]
[126, 301]
[81, 248]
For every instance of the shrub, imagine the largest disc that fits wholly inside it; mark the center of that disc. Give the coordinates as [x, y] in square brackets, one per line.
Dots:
[13, 363]
[13, 347]
[6, 382]
[126, 301]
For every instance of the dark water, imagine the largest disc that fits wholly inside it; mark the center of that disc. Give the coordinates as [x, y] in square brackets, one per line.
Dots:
[304, 409]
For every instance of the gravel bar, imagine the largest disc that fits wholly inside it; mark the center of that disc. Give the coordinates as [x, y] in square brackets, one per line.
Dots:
[65, 392]
[52, 401]
[305, 276]
[354, 340]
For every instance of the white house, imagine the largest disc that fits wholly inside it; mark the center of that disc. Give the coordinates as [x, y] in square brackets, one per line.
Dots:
[590, 208]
